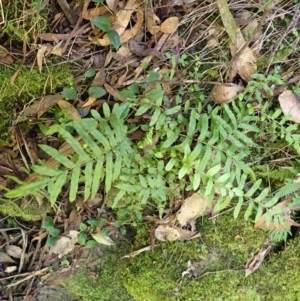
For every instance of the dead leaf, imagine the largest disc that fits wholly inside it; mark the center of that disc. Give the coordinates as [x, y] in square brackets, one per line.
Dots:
[255, 261]
[223, 93]
[39, 108]
[114, 93]
[193, 207]
[5, 257]
[245, 62]
[10, 269]
[170, 25]
[108, 58]
[65, 105]
[261, 223]
[165, 232]
[65, 244]
[103, 239]
[99, 78]
[40, 56]
[14, 251]
[152, 20]
[132, 32]
[112, 4]
[89, 102]
[290, 105]
[94, 201]
[92, 13]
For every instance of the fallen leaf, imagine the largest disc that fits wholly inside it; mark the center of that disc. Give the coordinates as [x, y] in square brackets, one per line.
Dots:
[223, 93]
[193, 207]
[290, 105]
[165, 232]
[103, 239]
[110, 90]
[286, 212]
[39, 108]
[132, 32]
[152, 20]
[14, 251]
[65, 105]
[108, 58]
[40, 56]
[89, 102]
[170, 25]
[243, 63]
[10, 269]
[255, 261]
[65, 244]
[5, 257]
[112, 4]
[92, 13]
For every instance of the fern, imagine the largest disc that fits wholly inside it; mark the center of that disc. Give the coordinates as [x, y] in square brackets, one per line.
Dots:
[100, 158]
[278, 174]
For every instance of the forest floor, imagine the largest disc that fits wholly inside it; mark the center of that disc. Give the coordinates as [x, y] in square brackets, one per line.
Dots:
[196, 106]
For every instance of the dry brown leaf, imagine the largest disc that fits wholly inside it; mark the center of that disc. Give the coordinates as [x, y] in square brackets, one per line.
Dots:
[108, 57]
[92, 13]
[5, 257]
[39, 108]
[223, 93]
[152, 20]
[165, 232]
[65, 244]
[14, 251]
[89, 102]
[255, 261]
[170, 25]
[65, 105]
[261, 223]
[290, 105]
[132, 32]
[99, 78]
[110, 90]
[124, 52]
[40, 56]
[245, 63]
[193, 207]
[112, 4]
[57, 51]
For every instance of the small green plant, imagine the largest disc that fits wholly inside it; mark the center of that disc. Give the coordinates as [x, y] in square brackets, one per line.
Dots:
[104, 24]
[48, 225]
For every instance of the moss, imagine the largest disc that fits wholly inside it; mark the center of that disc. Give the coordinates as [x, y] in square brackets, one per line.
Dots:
[107, 286]
[28, 85]
[221, 254]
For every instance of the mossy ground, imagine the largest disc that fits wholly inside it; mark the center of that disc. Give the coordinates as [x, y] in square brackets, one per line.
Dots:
[222, 253]
[28, 85]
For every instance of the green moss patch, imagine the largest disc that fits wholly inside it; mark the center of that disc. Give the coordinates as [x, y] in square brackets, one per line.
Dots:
[221, 255]
[28, 85]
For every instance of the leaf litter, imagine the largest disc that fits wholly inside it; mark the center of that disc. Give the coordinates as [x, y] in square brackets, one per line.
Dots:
[164, 32]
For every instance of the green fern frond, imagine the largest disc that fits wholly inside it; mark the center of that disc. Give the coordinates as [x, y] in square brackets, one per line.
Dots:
[287, 189]
[101, 157]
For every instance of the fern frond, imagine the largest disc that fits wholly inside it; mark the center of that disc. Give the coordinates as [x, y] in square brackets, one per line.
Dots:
[287, 190]
[100, 155]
